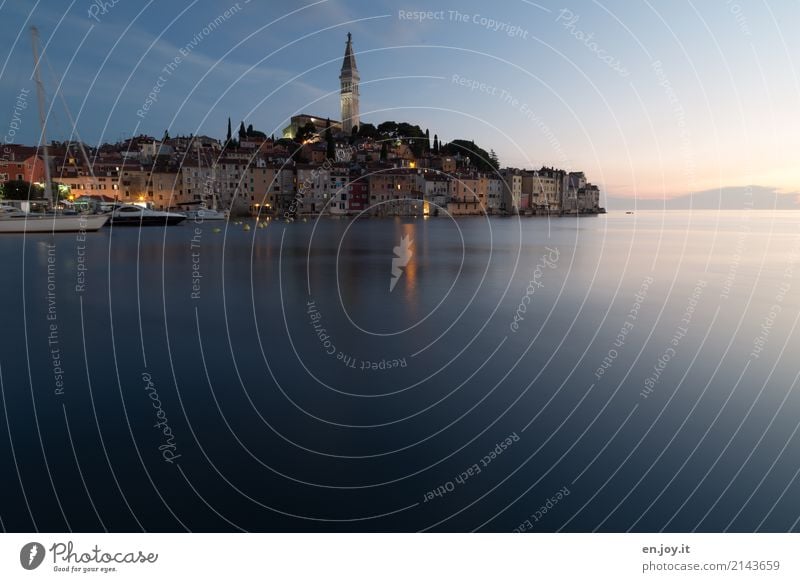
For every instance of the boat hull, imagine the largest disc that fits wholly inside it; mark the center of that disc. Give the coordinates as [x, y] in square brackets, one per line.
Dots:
[205, 216]
[147, 220]
[33, 224]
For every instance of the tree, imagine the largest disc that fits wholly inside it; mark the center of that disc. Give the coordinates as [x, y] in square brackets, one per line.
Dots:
[367, 131]
[330, 151]
[166, 135]
[242, 132]
[254, 133]
[410, 134]
[228, 139]
[384, 152]
[494, 160]
[295, 149]
[478, 157]
[435, 143]
[427, 141]
[305, 133]
[21, 190]
[388, 129]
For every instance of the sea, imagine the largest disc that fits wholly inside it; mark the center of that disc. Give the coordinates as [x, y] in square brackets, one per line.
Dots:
[621, 372]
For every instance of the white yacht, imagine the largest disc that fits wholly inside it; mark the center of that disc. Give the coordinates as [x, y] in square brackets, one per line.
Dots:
[203, 214]
[132, 215]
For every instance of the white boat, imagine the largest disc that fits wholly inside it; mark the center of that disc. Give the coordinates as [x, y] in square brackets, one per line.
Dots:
[204, 214]
[14, 220]
[17, 220]
[131, 215]
[9, 211]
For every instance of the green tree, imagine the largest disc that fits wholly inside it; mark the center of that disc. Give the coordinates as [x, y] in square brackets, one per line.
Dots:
[367, 131]
[388, 129]
[228, 138]
[405, 132]
[330, 150]
[295, 149]
[305, 133]
[384, 152]
[21, 190]
[255, 133]
[494, 160]
[478, 157]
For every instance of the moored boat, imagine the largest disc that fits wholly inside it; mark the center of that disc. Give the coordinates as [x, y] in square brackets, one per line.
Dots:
[204, 214]
[16, 219]
[131, 215]
[13, 220]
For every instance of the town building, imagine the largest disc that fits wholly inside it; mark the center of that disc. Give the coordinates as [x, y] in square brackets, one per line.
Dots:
[512, 190]
[21, 163]
[320, 125]
[468, 194]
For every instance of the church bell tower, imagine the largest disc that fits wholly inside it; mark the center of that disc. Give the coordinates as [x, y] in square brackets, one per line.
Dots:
[349, 82]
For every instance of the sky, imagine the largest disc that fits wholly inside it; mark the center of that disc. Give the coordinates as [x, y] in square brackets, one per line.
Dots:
[649, 99]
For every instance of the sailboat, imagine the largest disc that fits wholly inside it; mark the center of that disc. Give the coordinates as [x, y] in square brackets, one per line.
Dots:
[203, 213]
[14, 220]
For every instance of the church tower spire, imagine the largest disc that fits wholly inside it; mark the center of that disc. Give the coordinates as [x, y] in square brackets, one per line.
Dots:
[349, 80]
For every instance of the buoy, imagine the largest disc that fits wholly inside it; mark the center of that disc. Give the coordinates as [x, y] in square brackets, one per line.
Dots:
[216, 230]
[246, 227]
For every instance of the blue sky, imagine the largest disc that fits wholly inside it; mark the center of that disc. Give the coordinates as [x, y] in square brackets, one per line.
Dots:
[649, 98]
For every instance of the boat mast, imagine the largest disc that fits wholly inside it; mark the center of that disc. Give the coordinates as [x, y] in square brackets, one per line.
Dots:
[48, 184]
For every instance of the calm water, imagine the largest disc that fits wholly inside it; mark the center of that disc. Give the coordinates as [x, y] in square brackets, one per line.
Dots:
[613, 373]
